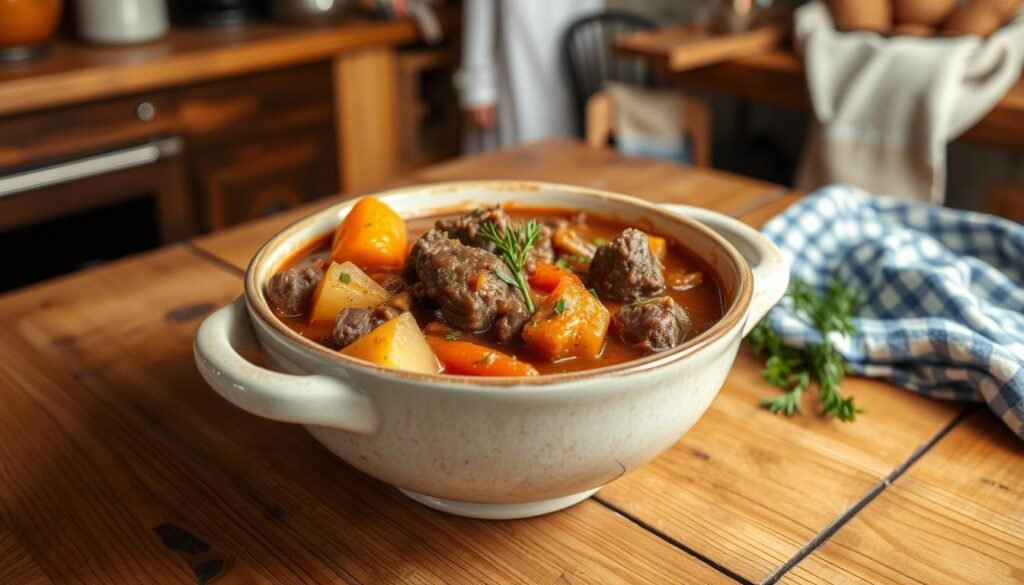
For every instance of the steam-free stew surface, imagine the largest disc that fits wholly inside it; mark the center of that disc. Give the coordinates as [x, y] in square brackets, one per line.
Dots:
[704, 303]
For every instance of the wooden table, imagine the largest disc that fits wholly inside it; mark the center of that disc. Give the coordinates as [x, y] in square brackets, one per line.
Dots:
[119, 465]
[777, 76]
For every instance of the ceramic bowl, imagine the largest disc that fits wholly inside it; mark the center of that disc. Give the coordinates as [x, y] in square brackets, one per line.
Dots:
[493, 447]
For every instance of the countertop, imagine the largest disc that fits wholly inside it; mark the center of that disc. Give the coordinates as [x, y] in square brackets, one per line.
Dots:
[76, 72]
[119, 465]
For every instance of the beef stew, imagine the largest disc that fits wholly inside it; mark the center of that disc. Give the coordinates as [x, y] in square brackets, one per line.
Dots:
[515, 291]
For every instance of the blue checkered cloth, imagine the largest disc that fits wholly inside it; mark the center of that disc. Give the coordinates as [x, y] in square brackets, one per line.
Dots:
[942, 293]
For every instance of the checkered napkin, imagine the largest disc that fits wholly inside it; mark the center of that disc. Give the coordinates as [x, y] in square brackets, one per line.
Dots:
[942, 293]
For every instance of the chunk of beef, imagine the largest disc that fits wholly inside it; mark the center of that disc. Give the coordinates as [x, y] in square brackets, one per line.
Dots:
[624, 269]
[654, 325]
[466, 229]
[396, 305]
[352, 323]
[462, 280]
[542, 251]
[389, 281]
[289, 291]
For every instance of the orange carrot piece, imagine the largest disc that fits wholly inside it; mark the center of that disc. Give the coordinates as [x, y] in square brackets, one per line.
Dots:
[571, 322]
[469, 359]
[658, 246]
[546, 276]
[372, 234]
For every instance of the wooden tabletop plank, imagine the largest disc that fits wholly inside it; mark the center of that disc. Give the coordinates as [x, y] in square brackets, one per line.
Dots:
[17, 566]
[684, 47]
[556, 160]
[76, 71]
[119, 464]
[570, 161]
[956, 516]
[748, 490]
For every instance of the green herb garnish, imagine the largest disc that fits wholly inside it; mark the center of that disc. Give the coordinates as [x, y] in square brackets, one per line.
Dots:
[453, 335]
[593, 292]
[561, 263]
[637, 302]
[512, 246]
[345, 278]
[559, 306]
[505, 276]
[599, 241]
[792, 369]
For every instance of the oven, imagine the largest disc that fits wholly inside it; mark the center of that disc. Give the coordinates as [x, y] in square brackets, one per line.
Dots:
[66, 215]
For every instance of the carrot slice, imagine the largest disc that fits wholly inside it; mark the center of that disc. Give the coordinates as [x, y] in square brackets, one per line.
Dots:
[470, 359]
[372, 234]
[546, 276]
[658, 246]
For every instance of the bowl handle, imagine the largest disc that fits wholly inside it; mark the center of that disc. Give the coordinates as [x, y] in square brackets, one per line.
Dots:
[771, 271]
[310, 400]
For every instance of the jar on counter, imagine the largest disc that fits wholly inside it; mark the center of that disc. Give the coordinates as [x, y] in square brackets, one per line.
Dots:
[121, 22]
[26, 26]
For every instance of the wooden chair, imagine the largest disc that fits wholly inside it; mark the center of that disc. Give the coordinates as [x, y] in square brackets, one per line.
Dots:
[589, 53]
[696, 125]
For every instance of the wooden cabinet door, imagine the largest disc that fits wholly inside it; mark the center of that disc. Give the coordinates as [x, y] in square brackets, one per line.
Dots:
[253, 181]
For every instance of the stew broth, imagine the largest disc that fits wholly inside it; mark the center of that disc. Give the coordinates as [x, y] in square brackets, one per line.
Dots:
[704, 302]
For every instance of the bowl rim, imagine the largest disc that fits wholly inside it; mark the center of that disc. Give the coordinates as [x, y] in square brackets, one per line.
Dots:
[732, 319]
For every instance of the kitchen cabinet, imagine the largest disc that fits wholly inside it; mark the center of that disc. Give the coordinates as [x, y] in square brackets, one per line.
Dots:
[198, 131]
[92, 182]
[265, 177]
[259, 144]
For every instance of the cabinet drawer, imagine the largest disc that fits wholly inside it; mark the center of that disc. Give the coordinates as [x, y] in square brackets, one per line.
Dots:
[41, 137]
[250, 182]
[259, 105]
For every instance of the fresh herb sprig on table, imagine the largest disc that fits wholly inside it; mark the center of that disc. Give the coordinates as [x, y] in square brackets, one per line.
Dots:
[792, 369]
[513, 244]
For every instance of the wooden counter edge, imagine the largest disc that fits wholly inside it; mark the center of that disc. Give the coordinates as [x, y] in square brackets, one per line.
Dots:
[95, 82]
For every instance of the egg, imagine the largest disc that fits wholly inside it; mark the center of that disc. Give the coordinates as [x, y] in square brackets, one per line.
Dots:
[874, 15]
[922, 12]
[913, 30]
[976, 17]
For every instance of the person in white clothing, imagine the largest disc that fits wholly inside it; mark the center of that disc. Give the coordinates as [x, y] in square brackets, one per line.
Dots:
[512, 80]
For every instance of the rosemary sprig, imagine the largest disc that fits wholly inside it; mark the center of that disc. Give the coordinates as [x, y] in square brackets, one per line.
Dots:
[512, 245]
[792, 369]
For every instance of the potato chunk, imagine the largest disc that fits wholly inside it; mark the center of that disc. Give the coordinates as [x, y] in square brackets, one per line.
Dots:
[344, 286]
[397, 344]
[571, 322]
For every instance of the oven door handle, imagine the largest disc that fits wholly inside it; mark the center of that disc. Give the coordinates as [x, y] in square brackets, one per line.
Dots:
[100, 164]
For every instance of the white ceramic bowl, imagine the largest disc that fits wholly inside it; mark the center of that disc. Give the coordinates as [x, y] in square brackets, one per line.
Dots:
[493, 447]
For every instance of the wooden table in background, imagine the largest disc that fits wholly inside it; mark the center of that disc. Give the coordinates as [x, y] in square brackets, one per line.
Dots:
[119, 465]
[776, 76]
